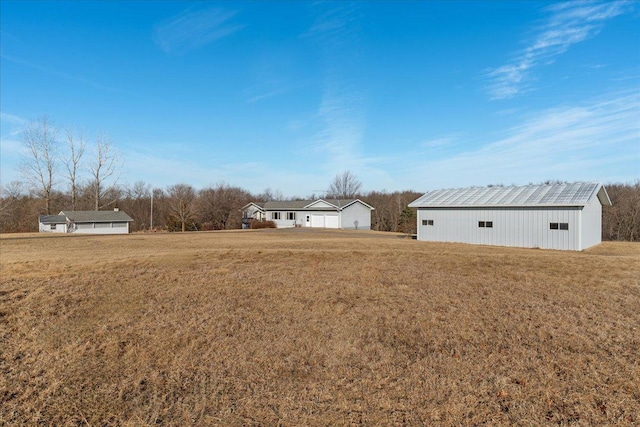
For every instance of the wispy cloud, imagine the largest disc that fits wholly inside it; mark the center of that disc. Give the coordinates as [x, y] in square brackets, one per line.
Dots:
[12, 120]
[567, 24]
[11, 149]
[269, 89]
[341, 127]
[442, 141]
[54, 72]
[598, 140]
[194, 28]
[340, 120]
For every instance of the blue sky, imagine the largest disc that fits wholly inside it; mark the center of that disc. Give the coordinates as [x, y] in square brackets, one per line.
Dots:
[406, 95]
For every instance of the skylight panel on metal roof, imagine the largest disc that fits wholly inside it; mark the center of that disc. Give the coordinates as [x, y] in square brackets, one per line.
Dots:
[530, 195]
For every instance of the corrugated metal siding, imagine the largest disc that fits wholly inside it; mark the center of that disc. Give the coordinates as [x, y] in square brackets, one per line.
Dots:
[591, 232]
[520, 227]
[356, 212]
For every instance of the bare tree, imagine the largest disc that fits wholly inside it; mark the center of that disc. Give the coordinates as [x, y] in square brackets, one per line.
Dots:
[39, 164]
[344, 186]
[76, 147]
[268, 195]
[621, 221]
[181, 204]
[137, 203]
[105, 172]
[219, 207]
[8, 197]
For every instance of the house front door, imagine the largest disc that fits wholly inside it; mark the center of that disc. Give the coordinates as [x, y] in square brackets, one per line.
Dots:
[308, 221]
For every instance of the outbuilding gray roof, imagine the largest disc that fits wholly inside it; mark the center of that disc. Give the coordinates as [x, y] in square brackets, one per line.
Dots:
[52, 219]
[575, 194]
[97, 216]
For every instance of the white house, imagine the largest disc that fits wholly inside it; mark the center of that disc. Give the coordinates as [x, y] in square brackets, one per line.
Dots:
[353, 214]
[554, 216]
[86, 222]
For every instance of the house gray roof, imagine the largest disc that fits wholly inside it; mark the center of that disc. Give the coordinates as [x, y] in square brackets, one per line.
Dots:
[97, 216]
[338, 204]
[286, 204]
[52, 219]
[575, 194]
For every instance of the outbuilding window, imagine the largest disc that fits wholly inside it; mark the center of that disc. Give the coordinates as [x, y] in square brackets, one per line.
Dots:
[558, 226]
[52, 227]
[485, 224]
[427, 222]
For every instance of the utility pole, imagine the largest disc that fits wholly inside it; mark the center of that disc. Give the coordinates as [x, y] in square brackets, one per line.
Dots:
[151, 222]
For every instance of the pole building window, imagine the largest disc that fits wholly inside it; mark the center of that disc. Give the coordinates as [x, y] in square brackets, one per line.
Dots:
[485, 224]
[558, 226]
[427, 222]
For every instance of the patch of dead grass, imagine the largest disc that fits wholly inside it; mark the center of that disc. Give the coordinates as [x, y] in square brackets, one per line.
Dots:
[325, 328]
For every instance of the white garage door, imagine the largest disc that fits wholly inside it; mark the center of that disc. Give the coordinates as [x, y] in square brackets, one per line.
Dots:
[331, 221]
[317, 221]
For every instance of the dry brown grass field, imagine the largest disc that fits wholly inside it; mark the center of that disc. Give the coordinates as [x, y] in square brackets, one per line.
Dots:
[299, 328]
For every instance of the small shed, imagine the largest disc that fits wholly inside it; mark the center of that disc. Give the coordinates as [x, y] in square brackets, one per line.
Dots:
[86, 222]
[550, 216]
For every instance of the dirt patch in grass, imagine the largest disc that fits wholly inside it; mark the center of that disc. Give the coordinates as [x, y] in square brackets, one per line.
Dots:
[315, 328]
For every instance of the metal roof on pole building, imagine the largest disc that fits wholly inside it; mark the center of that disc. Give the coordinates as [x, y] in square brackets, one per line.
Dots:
[574, 194]
[548, 216]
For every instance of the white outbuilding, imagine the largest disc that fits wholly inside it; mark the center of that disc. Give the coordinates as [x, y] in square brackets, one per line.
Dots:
[86, 222]
[550, 216]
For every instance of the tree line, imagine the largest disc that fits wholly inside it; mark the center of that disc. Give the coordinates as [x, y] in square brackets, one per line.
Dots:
[76, 172]
[181, 207]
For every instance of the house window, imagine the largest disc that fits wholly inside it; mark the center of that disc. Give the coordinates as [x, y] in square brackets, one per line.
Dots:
[558, 226]
[427, 222]
[291, 216]
[275, 215]
[485, 224]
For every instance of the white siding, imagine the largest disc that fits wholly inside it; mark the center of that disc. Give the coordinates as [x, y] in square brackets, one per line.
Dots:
[320, 204]
[101, 228]
[356, 212]
[47, 228]
[283, 222]
[521, 227]
[591, 232]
